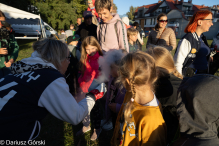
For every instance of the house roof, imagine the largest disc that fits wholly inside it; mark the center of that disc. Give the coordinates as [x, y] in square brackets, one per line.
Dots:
[172, 4]
[145, 6]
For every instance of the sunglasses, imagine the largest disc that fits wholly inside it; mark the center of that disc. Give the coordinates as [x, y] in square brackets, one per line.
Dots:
[163, 21]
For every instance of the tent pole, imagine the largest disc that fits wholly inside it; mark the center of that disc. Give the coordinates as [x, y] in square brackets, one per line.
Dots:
[42, 29]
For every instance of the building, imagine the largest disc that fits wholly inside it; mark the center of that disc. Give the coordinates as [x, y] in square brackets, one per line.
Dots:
[178, 12]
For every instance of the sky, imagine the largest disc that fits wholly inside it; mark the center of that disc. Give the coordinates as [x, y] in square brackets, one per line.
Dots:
[123, 5]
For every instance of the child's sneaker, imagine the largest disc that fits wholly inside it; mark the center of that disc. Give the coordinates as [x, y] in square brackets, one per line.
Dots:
[83, 130]
[96, 134]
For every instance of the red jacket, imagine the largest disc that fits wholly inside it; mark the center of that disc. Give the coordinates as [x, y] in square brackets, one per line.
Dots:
[91, 72]
[88, 9]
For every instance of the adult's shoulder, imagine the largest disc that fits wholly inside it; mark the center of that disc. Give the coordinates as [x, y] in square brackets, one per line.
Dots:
[169, 30]
[94, 26]
[189, 36]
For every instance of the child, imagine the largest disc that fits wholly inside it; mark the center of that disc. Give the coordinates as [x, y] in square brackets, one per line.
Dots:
[139, 121]
[72, 71]
[169, 80]
[132, 37]
[89, 68]
[116, 92]
[111, 32]
[62, 36]
[91, 7]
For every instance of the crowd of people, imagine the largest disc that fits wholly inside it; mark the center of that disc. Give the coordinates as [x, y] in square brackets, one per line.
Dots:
[151, 98]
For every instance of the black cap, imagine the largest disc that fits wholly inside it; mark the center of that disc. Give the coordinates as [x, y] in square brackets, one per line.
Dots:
[73, 38]
[87, 14]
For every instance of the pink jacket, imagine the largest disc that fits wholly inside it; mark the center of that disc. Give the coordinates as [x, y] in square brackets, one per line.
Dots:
[107, 37]
[91, 72]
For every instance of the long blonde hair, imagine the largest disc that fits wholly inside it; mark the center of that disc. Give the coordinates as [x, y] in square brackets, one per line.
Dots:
[90, 40]
[51, 50]
[164, 61]
[139, 68]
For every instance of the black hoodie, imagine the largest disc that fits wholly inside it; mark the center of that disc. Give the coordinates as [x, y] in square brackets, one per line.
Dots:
[198, 110]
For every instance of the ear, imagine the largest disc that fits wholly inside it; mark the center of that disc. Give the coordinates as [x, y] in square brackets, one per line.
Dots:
[127, 80]
[111, 9]
[199, 22]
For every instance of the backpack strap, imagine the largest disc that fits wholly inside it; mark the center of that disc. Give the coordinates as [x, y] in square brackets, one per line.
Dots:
[123, 32]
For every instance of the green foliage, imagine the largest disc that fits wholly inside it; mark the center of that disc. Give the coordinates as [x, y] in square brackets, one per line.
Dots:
[61, 13]
[114, 8]
[57, 13]
[131, 12]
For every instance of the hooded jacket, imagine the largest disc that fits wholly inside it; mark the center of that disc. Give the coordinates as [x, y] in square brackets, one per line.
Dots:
[198, 111]
[84, 31]
[109, 38]
[91, 72]
[35, 88]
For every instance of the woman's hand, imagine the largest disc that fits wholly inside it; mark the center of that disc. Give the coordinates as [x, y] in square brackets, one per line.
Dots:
[112, 107]
[211, 59]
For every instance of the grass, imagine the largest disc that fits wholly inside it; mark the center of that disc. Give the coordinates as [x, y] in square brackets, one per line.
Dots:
[58, 133]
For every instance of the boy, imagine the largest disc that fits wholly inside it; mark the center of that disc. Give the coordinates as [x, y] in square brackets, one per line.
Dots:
[111, 33]
[72, 69]
[132, 35]
[62, 36]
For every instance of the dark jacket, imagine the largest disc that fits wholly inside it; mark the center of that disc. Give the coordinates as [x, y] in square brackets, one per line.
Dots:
[183, 57]
[166, 90]
[12, 50]
[197, 108]
[84, 31]
[166, 93]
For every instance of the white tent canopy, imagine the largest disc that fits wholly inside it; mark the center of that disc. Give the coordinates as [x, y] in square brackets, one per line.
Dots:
[16, 16]
[11, 12]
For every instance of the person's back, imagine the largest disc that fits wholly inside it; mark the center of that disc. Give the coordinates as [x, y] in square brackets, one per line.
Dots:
[139, 121]
[166, 87]
[111, 32]
[197, 108]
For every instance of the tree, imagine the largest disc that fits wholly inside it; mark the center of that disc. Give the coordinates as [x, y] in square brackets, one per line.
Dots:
[58, 13]
[61, 13]
[131, 12]
[114, 8]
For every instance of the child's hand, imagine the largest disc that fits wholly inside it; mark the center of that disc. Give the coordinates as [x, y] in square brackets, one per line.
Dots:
[112, 107]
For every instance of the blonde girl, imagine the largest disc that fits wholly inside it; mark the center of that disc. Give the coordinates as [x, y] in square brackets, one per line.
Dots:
[140, 121]
[169, 80]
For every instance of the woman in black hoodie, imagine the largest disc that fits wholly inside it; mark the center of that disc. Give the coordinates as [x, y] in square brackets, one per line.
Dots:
[166, 87]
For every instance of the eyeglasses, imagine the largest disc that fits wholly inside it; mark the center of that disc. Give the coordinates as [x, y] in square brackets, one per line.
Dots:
[163, 21]
[68, 57]
[210, 20]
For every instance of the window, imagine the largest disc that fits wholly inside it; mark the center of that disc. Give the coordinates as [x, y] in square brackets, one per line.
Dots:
[164, 9]
[140, 13]
[151, 21]
[47, 27]
[145, 22]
